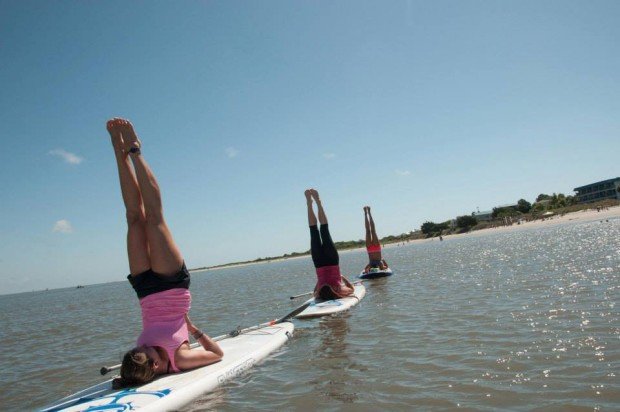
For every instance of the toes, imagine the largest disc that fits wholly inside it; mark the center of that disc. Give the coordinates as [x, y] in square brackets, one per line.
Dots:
[127, 126]
[112, 123]
[118, 122]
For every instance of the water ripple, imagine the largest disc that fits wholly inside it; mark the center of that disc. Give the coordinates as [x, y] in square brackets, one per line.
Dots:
[523, 320]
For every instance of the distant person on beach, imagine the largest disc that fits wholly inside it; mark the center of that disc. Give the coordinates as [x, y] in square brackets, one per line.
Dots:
[330, 283]
[373, 245]
[157, 273]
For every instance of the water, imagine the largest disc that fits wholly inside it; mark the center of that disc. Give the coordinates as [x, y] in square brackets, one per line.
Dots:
[521, 320]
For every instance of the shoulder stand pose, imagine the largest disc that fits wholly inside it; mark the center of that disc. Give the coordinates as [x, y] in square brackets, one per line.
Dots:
[373, 245]
[330, 284]
[157, 273]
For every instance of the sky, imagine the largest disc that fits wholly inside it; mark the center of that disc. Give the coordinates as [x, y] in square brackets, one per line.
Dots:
[424, 110]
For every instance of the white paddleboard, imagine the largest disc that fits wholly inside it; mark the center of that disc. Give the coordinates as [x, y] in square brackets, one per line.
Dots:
[171, 392]
[375, 273]
[328, 307]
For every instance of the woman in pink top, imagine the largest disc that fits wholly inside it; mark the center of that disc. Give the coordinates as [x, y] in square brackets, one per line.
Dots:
[330, 284]
[158, 273]
[373, 245]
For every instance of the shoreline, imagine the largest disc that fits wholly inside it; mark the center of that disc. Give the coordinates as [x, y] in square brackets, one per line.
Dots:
[586, 215]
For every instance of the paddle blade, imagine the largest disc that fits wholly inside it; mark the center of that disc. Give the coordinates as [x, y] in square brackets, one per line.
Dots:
[293, 313]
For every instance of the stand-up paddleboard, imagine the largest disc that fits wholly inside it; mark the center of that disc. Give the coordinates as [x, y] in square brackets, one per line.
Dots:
[171, 392]
[328, 307]
[375, 273]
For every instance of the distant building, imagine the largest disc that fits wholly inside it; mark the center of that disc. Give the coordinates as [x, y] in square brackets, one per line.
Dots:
[483, 216]
[512, 205]
[605, 189]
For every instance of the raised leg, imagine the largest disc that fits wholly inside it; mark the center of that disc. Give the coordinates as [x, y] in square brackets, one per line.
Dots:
[367, 226]
[373, 232]
[327, 247]
[165, 257]
[316, 251]
[311, 216]
[322, 216]
[137, 246]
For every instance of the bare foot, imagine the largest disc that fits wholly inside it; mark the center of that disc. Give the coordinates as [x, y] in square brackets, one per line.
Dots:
[315, 195]
[115, 135]
[307, 193]
[130, 139]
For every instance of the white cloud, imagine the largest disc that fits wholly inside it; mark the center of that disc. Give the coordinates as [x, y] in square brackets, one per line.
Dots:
[403, 172]
[231, 152]
[63, 226]
[329, 156]
[70, 158]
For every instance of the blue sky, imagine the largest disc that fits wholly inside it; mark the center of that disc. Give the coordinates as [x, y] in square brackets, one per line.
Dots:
[423, 110]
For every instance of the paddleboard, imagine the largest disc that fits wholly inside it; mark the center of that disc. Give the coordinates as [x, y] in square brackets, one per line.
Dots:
[375, 273]
[328, 307]
[171, 392]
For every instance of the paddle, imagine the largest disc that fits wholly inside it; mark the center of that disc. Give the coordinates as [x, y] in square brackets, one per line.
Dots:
[238, 331]
[310, 293]
[300, 295]
[231, 334]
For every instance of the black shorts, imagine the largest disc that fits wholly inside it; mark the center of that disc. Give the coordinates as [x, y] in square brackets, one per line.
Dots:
[149, 282]
[322, 247]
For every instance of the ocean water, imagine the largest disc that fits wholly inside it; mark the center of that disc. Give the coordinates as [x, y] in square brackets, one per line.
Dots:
[523, 320]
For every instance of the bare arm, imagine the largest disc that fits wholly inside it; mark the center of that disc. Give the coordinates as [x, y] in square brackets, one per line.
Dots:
[210, 345]
[188, 359]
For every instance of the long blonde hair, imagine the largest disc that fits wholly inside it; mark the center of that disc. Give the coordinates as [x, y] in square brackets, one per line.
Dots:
[136, 369]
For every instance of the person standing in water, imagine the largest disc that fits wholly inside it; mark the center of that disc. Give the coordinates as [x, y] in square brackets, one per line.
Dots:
[373, 245]
[330, 283]
[157, 273]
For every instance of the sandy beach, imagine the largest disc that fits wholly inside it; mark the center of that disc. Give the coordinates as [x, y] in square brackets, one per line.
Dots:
[588, 215]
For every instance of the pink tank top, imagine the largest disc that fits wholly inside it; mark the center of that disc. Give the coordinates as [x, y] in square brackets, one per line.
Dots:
[163, 321]
[330, 276]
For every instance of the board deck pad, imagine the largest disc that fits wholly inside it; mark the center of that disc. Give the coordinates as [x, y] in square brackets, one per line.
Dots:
[328, 307]
[173, 391]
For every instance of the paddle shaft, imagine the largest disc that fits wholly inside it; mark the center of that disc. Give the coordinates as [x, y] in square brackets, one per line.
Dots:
[237, 332]
[105, 369]
[300, 295]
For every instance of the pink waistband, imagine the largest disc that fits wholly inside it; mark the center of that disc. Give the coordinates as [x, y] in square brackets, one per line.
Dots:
[373, 248]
